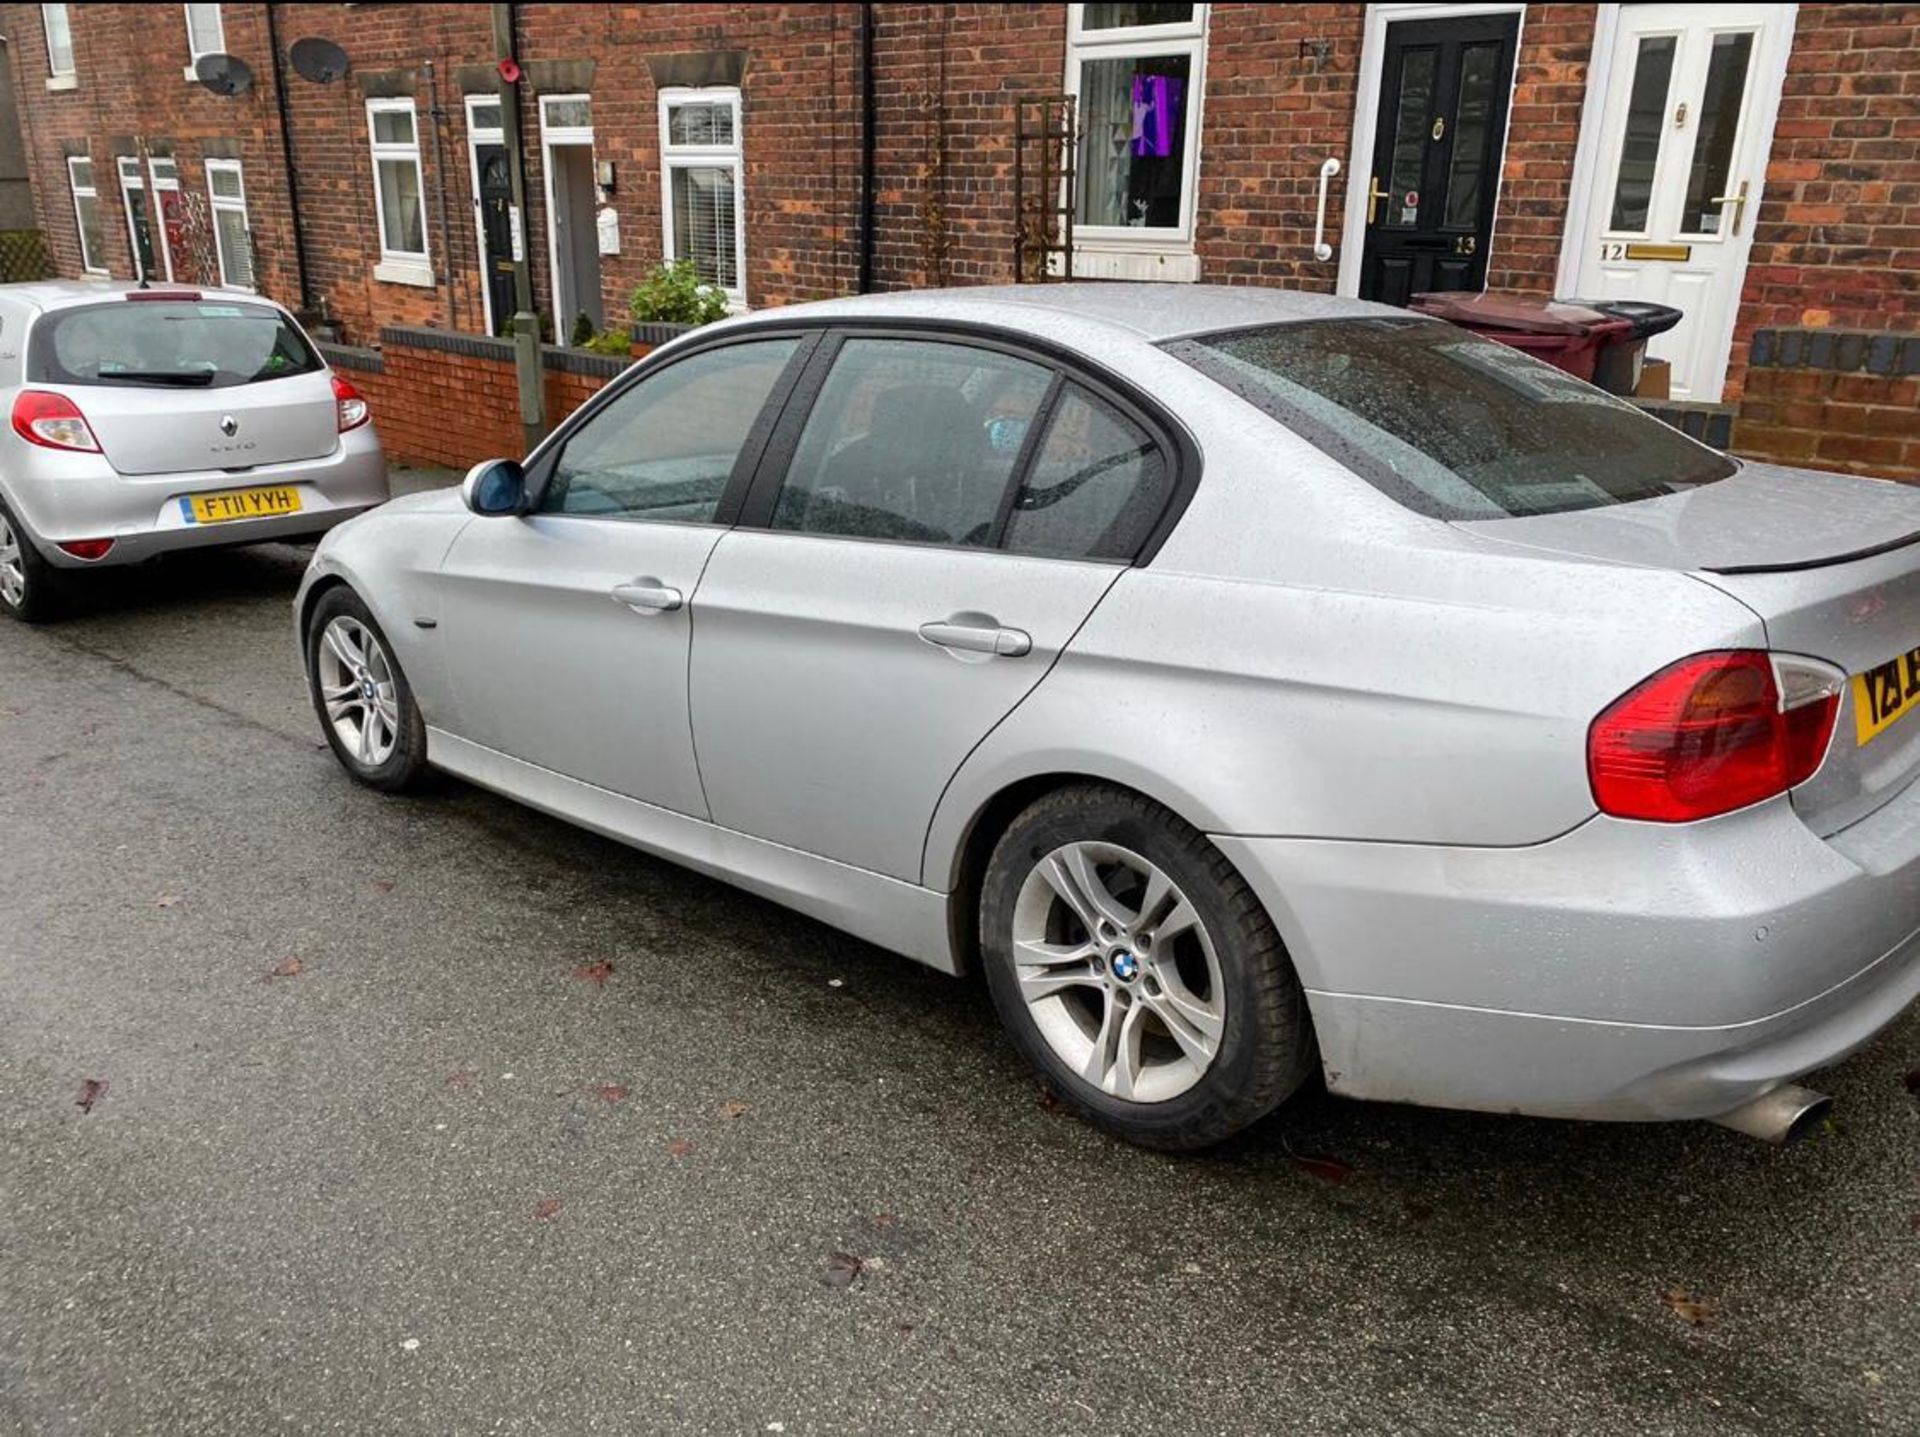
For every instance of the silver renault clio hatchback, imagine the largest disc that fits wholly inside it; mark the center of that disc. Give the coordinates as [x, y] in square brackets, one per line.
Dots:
[1251, 683]
[150, 419]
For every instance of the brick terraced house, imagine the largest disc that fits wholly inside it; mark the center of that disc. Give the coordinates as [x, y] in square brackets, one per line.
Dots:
[1757, 165]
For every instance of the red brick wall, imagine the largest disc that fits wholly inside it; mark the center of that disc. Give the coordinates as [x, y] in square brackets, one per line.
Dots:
[130, 60]
[1856, 423]
[1837, 239]
[438, 408]
[1543, 131]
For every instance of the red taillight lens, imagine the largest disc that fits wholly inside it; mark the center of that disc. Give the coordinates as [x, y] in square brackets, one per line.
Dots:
[87, 548]
[52, 421]
[163, 295]
[1711, 734]
[353, 408]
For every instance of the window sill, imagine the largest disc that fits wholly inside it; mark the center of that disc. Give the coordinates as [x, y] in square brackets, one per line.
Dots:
[403, 271]
[63, 82]
[1092, 261]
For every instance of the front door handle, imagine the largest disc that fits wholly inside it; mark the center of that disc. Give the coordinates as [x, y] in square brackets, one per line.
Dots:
[648, 596]
[978, 639]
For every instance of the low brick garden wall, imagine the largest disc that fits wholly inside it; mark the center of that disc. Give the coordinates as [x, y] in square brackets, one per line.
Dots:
[451, 400]
[1833, 399]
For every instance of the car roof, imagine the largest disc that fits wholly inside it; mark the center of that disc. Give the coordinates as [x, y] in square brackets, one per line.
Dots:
[1153, 313]
[48, 294]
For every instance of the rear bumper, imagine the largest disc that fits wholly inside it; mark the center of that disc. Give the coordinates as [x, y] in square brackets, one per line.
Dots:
[1622, 971]
[83, 499]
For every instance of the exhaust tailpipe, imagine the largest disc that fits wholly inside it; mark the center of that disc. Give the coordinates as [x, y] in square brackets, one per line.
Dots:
[1784, 1115]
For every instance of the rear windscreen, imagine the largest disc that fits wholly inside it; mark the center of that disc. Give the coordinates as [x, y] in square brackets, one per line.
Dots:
[167, 343]
[1449, 424]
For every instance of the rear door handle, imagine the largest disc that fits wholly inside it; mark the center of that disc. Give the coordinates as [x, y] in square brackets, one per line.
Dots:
[978, 639]
[648, 596]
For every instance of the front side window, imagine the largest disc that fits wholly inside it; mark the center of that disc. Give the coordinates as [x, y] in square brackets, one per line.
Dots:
[86, 215]
[398, 188]
[911, 440]
[665, 448]
[1097, 485]
[1451, 425]
[205, 34]
[701, 166]
[1137, 71]
[168, 344]
[59, 30]
[232, 239]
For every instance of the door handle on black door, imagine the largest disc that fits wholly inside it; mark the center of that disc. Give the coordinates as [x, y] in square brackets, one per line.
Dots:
[647, 596]
[977, 638]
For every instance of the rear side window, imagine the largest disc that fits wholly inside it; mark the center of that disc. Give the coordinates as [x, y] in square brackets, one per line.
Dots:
[1097, 484]
[1452, 425]
[168, 344]
[911, 440]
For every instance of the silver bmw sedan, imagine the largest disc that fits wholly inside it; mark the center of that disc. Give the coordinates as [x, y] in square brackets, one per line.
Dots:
[145, 420]
[1250, 683]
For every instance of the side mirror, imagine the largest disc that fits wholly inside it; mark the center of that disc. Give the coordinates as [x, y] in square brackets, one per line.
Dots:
[495, 487]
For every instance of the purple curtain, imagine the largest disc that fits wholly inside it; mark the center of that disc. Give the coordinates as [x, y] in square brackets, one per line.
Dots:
[1156, 113]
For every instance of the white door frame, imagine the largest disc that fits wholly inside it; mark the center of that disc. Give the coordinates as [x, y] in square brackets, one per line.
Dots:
[1366, 110]
[476, 137]
[551, 138]
[1586, 158]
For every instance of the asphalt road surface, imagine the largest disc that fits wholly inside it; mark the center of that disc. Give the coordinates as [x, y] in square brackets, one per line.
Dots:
[436, 1115]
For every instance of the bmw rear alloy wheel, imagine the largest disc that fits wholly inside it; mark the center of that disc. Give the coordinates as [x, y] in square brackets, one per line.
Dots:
[1137, 972]
[1118, 972]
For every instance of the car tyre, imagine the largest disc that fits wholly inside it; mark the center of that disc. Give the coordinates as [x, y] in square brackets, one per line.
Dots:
[31, 589]
[361, 696]
[1137, 971]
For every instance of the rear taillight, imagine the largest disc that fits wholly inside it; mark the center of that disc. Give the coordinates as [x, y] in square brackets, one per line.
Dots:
[87, 548]
[1711, 734]
[52, 421]
[353, 408]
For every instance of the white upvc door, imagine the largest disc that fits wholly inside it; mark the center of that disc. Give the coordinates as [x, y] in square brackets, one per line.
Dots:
[1672, 174]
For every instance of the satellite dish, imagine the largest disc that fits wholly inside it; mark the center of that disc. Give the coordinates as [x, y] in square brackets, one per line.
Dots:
[320, 61]
[223, 74]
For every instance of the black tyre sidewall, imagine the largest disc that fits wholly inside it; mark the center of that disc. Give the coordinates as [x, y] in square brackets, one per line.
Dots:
[1267, 1047]
[42, 599]
[407, 762]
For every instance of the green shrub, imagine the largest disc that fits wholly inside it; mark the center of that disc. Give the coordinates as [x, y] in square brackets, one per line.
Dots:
[674, 293]
[582, 330]
[608, 341]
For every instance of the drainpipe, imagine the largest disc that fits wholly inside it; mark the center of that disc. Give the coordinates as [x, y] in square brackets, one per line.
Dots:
[505, 27]
[286, 157]
[527, 366]
[439, 117]
[866, 148]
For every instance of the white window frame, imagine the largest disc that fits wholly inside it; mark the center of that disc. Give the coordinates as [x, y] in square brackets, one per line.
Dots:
[89, 191]
[127, 170]
[1121, 251]
[683, 156]
[156, 187]
[59, 77]
[219, 33]
[398, 266]
[217, 203]
[478, 135]
[551, 136]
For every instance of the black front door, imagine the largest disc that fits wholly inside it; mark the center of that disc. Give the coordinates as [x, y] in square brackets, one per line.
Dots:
[496, 224]
[1439, 140]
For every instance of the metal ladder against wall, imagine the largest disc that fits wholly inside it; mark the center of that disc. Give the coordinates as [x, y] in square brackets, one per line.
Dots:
[1045, 170]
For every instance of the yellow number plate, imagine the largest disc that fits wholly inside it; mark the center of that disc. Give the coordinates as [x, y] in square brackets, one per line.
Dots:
[1884, 695]
[239, 504]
